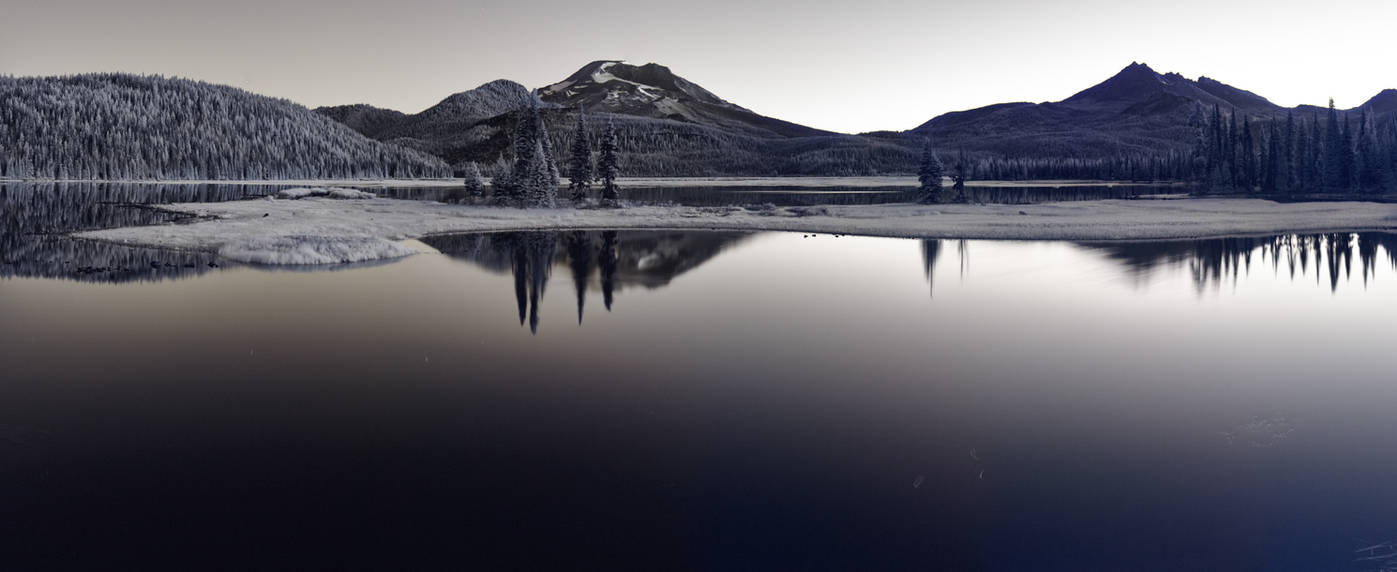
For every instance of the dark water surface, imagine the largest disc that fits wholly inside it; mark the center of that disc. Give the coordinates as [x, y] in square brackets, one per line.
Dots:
[701, 400]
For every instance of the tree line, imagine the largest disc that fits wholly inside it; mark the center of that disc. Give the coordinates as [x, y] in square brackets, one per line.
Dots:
[1297, 155]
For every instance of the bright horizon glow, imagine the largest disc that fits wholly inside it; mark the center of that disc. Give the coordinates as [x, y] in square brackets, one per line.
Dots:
[881, 65]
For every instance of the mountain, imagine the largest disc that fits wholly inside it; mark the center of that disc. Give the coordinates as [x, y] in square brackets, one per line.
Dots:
[653, 91]
[366, 119]
[450, 129]
[1136, 113]
[121, 126]
[1384, 103]
[668, 126]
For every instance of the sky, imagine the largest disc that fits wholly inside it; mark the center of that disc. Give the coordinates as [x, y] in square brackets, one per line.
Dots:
[832, 64]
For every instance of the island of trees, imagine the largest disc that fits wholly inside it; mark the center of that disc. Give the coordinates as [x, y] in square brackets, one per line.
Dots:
[533, 178]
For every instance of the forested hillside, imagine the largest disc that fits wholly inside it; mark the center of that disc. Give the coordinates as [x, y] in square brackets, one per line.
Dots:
[119, 126]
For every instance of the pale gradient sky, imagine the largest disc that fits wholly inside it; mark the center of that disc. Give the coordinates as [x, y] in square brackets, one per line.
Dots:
[838, 65]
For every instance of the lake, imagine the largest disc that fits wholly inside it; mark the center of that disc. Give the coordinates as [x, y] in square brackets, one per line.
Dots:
[698, 400]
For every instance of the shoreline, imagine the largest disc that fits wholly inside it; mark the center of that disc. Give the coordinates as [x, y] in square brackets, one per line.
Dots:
[327, 231]
[794, 182]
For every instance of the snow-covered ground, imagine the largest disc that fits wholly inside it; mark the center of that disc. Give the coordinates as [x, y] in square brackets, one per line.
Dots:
[324, 231]
[327, 192]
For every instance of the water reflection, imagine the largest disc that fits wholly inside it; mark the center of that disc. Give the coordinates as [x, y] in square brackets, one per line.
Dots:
[617, 259]
[1215, 262]
[612, 260]
[35, 218]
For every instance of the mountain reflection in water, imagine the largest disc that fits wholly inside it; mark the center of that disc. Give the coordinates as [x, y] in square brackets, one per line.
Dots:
[617, 259]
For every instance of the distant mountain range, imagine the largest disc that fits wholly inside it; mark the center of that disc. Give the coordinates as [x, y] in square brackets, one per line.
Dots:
[1136, 112]
[672, 126]
[668, 126]
[115, 126]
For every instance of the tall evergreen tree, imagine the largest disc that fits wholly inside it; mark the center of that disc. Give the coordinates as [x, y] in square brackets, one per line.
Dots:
[580, 161]
[1286, 177]
[533, 178]
[475, 183]
[1233, 168]
[1392, 155]
[1333, 152]
[1314, 162]
[1271, 164]
[541, 186]
[930, 173]
[608, 168]
[500, 174]
[960, 174]
[1246, 179]
[1214, 155]
[1348, 165]
[546, 143]
[1367, 155]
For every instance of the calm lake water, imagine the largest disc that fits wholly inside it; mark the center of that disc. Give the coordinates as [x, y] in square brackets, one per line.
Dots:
[702, 400]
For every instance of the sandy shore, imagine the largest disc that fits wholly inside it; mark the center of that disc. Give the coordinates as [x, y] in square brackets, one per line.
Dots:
[324, 231]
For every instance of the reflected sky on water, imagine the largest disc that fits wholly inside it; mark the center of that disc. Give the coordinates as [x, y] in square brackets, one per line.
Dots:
[708, 400]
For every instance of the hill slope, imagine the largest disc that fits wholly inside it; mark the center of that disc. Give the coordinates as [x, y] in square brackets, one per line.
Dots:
[119, 126]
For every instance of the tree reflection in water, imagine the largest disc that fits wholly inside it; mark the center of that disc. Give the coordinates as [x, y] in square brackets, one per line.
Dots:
[1213, 262]
[617, 260]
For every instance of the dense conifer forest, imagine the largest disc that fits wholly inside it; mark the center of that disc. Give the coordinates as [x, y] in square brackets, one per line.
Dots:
[119, 126]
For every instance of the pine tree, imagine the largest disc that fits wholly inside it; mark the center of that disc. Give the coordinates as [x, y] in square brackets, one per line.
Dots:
[1215, 162]
[514, 186]
[1314, 158]
[475, 183]
[1246, 178]
[1333, 153]
[1233, 170]
[1271, 164]
[533, 179]
[1348, 164]
[959, 175]
[930, 174]
[1392, 155]
[1368, 157]
[1286, 177]
[546, 144]
[500, 177]
[607, 167]
[541, 186]
[580, 162]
